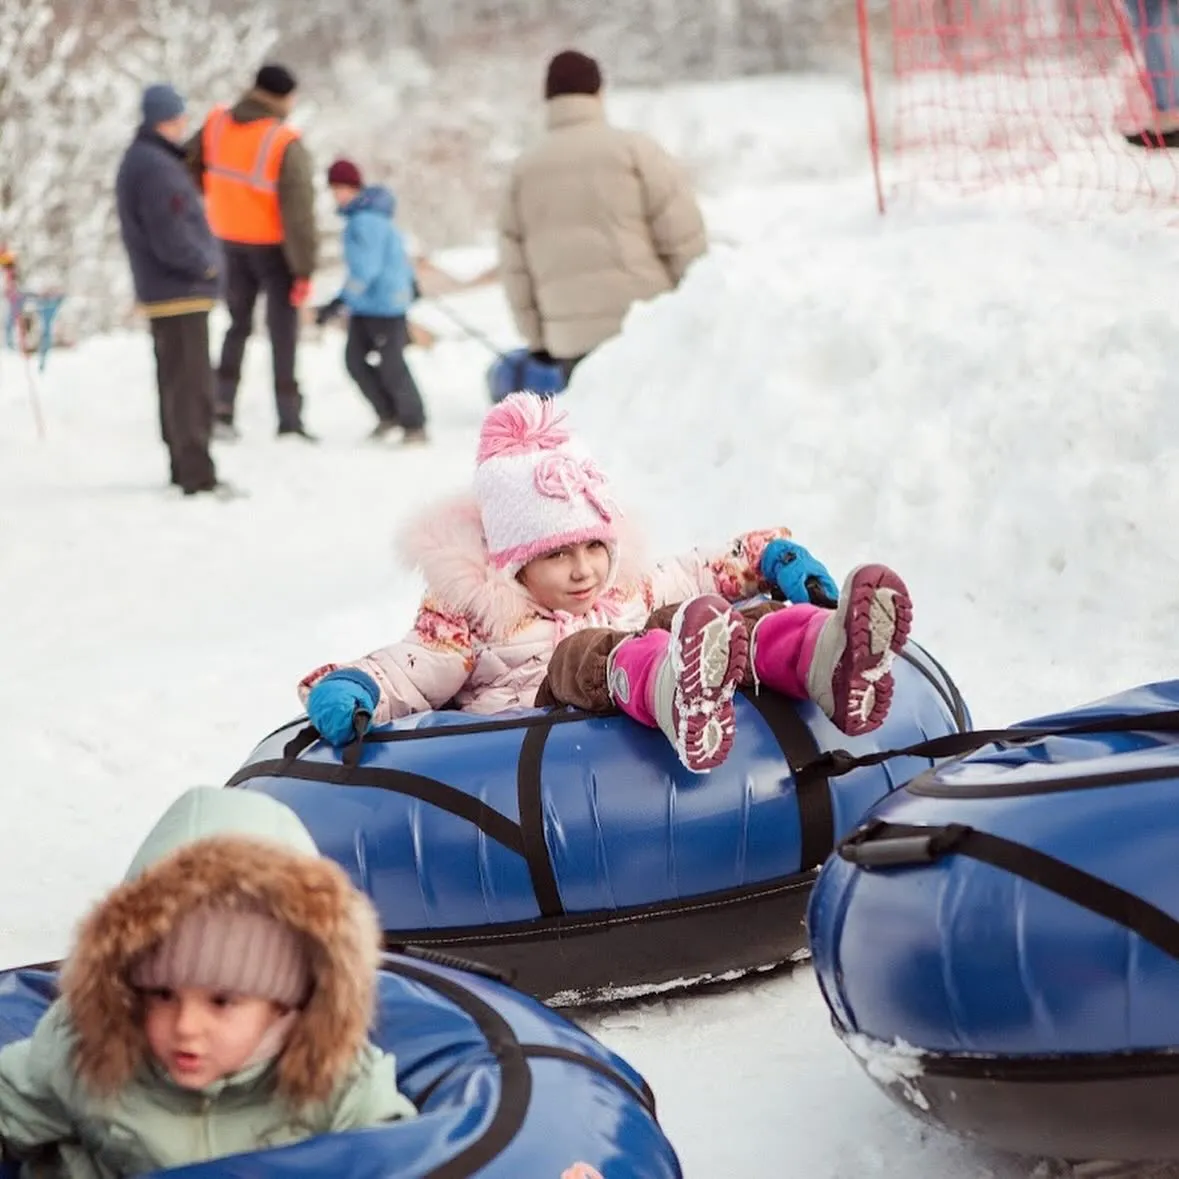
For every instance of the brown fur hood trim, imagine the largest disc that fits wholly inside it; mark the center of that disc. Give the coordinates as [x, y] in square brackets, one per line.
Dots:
[445, 543]
[312, 896]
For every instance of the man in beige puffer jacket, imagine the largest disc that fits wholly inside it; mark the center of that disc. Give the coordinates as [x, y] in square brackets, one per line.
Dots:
[595, 218]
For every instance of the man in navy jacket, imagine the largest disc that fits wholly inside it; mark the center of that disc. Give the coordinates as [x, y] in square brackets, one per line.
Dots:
[176, 267]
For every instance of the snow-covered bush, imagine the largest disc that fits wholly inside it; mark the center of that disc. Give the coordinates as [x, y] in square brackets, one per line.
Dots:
[433, 98]
[69, 91]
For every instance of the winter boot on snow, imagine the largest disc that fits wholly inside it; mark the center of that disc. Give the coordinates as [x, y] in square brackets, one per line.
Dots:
[847, 653]
[383, 429]
[224, 430]
[219, 490]
[682, 680]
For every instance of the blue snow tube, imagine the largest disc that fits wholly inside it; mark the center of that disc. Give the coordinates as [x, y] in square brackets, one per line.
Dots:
[505, 1088]
[574, 853]
[1011, 918]
[518, 372]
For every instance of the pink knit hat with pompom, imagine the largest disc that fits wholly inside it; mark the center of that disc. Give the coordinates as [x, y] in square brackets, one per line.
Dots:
[537, 490]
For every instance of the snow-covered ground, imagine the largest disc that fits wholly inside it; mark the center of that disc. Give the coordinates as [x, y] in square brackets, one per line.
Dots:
[986, 402]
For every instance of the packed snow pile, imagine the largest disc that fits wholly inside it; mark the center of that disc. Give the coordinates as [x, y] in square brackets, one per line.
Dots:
[986, 403]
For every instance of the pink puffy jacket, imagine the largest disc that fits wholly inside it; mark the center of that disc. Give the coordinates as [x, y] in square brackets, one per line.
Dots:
[481, 641]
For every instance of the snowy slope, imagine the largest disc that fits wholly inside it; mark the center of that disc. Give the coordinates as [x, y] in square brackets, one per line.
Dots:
[984, 402]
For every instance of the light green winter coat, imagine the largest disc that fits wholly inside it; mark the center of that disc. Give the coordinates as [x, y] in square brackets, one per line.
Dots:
[82, 1098]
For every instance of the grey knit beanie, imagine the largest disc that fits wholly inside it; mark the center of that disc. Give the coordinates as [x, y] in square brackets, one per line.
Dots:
[235, 951]
[160, 104]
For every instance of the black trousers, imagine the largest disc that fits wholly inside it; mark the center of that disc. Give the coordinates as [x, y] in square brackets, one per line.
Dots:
[184, 375]
[385, 380]
[251, 271]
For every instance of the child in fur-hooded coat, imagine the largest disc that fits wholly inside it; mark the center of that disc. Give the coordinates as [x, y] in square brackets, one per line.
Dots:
[537, 593]
[216, 1002]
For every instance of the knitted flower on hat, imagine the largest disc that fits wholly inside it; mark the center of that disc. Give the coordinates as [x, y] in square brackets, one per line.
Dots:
[537, 490]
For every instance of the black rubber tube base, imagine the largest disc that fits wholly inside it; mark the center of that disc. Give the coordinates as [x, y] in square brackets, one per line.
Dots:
[1118, 1107]
[599, 957]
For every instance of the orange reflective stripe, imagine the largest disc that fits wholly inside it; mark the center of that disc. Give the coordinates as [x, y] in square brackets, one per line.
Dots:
[242, 165]
[262, 172]
[214, 127]
[277, 142]
[259, 175]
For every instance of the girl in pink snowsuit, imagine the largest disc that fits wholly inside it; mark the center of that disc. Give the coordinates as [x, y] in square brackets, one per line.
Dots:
[536, 593]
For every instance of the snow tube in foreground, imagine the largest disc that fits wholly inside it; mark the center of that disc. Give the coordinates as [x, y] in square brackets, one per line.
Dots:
[999, 941]
[505, 1087]
[575, 853]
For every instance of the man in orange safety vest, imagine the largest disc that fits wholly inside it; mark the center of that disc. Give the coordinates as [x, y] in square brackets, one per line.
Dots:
[257, 177]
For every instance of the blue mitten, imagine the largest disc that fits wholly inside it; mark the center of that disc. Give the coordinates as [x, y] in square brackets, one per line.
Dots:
[797, 574]
[334, 701]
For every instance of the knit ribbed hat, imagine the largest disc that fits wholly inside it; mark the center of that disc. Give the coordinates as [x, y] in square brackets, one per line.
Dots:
[235, 951]
[345, 172]
[538, 491]
[160, 104]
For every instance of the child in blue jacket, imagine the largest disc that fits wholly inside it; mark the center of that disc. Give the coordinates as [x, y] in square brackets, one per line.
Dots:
[377, 292]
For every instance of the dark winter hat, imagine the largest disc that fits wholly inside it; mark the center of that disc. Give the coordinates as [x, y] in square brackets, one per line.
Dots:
[571, 72]
[345, 172]
[275, 79]
[160, 103]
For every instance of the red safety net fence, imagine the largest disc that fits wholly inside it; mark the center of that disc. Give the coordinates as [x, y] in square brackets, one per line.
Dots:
[1031, 99]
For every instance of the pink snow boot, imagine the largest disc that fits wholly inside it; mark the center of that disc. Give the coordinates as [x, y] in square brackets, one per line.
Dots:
[683, 680]
[840, 658]
[849, 676]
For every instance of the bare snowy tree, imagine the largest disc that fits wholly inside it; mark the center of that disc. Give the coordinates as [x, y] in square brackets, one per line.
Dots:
[207, 51]
[643, 41]
[39, 146]
[70, 80]
[434, 96]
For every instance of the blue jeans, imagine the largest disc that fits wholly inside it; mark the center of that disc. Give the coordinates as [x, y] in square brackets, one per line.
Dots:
[1157, 25]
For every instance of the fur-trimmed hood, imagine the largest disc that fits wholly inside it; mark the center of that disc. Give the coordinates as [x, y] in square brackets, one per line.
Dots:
[445, 543]
[231, 849]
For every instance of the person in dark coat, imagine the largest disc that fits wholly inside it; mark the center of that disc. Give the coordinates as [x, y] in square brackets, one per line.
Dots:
[176, 267]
